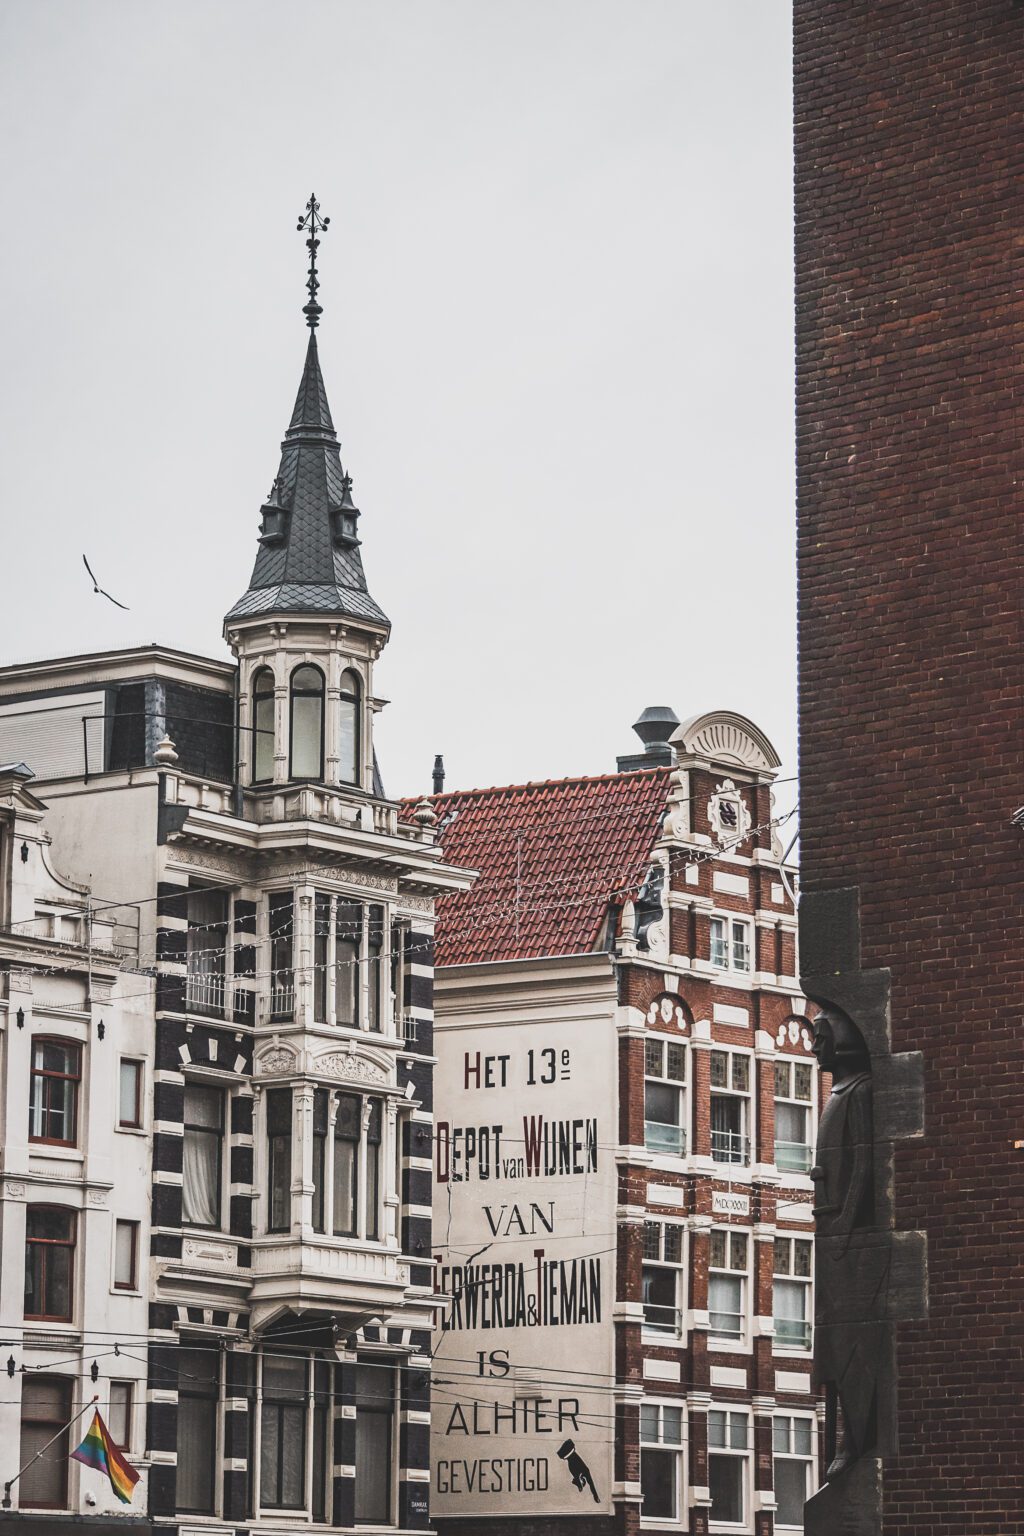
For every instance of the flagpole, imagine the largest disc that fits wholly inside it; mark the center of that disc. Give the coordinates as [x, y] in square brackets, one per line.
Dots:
[6, 1502]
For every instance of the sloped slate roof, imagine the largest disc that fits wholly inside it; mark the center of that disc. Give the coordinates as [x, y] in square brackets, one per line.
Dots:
[308, 572]
[550, 857]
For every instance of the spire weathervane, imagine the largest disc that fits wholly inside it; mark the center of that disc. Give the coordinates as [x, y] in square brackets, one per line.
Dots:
[312, 221]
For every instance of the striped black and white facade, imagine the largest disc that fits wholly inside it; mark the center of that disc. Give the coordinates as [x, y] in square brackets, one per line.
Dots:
[276, 947]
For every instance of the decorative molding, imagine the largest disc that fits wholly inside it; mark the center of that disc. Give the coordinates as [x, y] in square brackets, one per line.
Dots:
[96, 1197]
[723, 736]
[208, 1251]
[792, 1034]
[275, 1062]
[670, 1011]
[14, 1190]
[344, 1064]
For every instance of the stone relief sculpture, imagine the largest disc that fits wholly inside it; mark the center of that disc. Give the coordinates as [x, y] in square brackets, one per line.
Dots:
[868, 1274]
[851, 1263]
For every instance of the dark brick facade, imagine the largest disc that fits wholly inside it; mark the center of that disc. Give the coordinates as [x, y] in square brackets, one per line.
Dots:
[909, 156]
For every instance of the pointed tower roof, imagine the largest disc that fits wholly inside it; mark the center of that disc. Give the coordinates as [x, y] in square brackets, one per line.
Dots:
[308, 560]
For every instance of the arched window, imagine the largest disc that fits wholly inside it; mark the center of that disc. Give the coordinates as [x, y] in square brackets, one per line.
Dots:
[307, 723]
[348, 729]
[263, 726]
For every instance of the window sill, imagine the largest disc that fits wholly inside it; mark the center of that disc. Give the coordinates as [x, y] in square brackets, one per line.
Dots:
[131, 1130]
[60, 1149]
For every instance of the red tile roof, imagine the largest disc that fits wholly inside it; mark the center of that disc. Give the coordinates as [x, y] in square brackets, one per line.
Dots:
[550, 857]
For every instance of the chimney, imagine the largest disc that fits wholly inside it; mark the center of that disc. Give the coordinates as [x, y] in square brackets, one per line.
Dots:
[654, 727]
[438, 773]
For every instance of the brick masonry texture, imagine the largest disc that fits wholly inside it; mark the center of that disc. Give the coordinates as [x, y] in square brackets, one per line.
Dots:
[909, 160]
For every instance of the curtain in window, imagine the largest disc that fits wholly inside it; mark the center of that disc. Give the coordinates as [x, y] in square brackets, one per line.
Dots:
[279, 1143]
[204, 1118]
[283, 1433]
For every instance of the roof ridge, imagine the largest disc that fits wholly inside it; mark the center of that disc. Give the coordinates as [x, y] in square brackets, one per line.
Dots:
[575, 778]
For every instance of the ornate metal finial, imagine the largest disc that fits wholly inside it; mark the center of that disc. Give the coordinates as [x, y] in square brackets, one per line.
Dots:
[312, 221]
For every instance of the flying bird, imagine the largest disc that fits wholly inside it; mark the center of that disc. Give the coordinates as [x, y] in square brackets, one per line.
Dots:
[97, 588]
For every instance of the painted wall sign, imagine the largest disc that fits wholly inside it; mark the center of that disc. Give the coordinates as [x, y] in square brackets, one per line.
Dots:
[726, 1203]
[522, 1416]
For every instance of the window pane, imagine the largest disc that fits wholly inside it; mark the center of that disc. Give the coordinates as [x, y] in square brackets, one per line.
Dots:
[348, 733]
[716, 1427]
[782, 1079]
[658, 1483]
[718, 1242]
[790, 1492]
[345, 1155]
[801, 1257]
[802, 1081]
[263, 726]
[790, 1313]
[124, 1253]
[270, 1455]
[659, 1298]
[780, 1256]
[649, 1423]
[719, 1069]
[197, 1444]
[118, 1413]
[293, 1464]
[652, 1240]
[45, 1406]
[673, 1245]
[675, 1063]
[738, 1428]
[725, 1481]
[672, 1426]
[802, 1436]
[737, 1250]
[725, 1305]
[129, 1102]
[780, 1433]
[373, 1189]
[741, 1073]
[374, 1412]
[307, 723]
[652, 1057]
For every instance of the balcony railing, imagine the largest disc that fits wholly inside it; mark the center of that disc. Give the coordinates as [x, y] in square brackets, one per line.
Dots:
[659, 1137]
[793, 1156]
[282, 995]
[727, 1325]
[659, 1319]
[792, 1333]
[205, 991]
[730, 1147]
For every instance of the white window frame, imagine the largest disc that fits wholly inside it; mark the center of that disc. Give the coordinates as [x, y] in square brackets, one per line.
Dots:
[789, 1239]
[678, 1266]
[666, 1041]
[678, 1448]
[785, 1422]
[746, 1455]
[731, 943]
[740, 1143]
[732, 1341]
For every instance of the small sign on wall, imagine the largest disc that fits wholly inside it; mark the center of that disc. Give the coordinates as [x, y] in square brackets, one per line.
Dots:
[726, 1203]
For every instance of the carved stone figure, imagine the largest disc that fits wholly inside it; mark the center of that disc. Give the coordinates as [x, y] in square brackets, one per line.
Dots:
[852, 1256]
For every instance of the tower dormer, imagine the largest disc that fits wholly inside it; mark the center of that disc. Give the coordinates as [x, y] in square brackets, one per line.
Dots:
[306, 631]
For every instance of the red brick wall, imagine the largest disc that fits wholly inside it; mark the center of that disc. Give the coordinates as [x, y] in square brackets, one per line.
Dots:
[910, 157]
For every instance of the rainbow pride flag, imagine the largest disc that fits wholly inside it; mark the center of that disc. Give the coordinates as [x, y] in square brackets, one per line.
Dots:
[98, 1450]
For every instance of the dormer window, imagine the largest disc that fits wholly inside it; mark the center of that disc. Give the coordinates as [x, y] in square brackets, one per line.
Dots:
[263, 726]
[307, 724]
[348, 729]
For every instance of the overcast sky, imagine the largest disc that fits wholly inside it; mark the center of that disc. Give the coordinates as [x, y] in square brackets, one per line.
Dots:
[557, 342]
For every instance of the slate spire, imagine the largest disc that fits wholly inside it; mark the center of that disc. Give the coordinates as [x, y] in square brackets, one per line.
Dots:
[308, 560]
